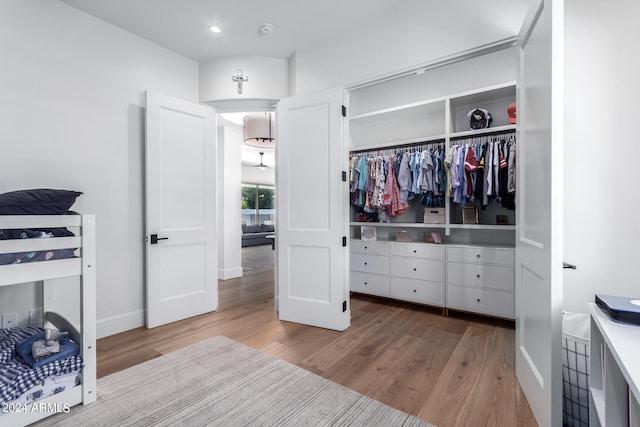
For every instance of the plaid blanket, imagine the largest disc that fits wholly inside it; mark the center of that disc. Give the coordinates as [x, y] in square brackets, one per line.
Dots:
[16, 377]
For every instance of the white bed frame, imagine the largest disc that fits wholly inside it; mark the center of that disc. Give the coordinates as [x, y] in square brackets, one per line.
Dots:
[84, 267]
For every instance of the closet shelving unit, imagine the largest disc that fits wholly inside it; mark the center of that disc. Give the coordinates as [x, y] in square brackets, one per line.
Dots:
[418, 271]
[436, 121]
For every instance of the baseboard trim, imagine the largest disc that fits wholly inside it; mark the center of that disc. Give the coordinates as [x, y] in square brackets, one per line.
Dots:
[120, 323]
[229, 273]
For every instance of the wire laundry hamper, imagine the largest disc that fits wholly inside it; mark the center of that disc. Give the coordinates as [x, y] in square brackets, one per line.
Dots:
[575, 369]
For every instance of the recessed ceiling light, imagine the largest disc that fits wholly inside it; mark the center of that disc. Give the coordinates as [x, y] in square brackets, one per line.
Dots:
[215, 29]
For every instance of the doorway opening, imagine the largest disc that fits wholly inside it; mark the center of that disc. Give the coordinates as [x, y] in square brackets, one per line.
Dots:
[258, 227]
[247, 172]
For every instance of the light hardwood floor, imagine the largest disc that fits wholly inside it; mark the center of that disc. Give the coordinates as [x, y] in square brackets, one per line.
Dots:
[455, 371]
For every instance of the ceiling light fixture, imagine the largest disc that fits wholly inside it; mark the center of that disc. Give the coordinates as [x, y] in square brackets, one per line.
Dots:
[215, 29]
[261, 166]
[258, 130]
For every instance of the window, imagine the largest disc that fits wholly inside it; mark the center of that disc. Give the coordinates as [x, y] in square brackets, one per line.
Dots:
[258, 203]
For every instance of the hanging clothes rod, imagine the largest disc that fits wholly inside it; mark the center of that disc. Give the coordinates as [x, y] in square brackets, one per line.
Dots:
[403, 148]
[484, 137]
[481, 139]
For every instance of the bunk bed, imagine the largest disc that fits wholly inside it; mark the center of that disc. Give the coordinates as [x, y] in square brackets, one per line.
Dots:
[81, 264]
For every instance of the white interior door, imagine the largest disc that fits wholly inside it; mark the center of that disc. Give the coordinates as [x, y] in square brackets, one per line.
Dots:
[181, 253]
[539, 230]
[312, 221]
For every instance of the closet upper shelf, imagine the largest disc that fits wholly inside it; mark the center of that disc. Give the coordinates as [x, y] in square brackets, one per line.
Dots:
[415, 110]
[480, 132]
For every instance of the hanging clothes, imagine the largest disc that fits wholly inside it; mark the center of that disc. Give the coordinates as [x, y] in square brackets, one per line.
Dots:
[482, 172]
[385, 184]
[511, 167]
[404, 178]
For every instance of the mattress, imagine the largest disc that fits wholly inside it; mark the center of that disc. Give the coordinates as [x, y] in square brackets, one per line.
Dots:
[35, 256]
[48, 387]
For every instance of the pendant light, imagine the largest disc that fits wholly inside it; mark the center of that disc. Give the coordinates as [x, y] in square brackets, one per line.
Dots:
[258, 130]
[261, 166]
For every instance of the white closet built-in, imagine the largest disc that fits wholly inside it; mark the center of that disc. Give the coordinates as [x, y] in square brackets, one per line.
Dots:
[472, 269]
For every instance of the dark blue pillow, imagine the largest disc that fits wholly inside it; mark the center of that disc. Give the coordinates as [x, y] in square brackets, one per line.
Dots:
[39, 201]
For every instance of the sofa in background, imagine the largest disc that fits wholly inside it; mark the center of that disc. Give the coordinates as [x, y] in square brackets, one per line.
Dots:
[256, 234]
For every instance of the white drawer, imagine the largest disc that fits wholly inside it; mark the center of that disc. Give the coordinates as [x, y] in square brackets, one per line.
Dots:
[420, 250]
[374, 248]
[481, 255]
[417, 290]
[417, 268]
[481, 275]
[369, 283]
[377, 264]
[484, 301]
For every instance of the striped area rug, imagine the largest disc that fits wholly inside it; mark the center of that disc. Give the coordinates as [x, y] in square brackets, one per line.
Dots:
[220, 382]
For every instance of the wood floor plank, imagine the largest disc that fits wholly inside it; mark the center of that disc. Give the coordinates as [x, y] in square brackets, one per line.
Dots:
[498, 395]
[459, 381]
[450, 371]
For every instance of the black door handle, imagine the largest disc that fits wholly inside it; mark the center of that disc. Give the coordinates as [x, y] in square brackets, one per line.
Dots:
[155, 238]
[567, 265]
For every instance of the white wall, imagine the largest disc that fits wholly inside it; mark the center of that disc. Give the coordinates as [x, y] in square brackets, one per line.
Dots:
[229, 228]
[408, 34]
[268, 78]
[72, 114]
[19, 299]
[601, 230]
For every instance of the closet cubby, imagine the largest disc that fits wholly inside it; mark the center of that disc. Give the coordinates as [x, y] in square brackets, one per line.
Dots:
[495, 100]
[493, 216]
[416, 122]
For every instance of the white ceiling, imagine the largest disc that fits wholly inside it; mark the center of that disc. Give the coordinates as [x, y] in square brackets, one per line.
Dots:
[183, 25]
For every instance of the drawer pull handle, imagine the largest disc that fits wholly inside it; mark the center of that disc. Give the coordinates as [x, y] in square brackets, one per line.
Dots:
[478, 276]
[478, 300]
[477, 255]
[414, 291]
[367, 248]
[365, 283]
[414, 251]
[414, 269]
[365, 263]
